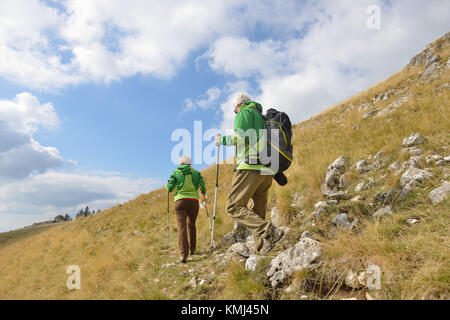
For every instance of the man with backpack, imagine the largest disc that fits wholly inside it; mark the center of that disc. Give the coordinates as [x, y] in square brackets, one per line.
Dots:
[187, 181]
[251, 180]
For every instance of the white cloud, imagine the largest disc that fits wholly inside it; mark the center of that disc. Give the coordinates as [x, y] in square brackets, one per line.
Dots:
[25, 114]
[206, 101]
[35, 181]
[43, 196]
[334, 55]
[97, 40]
[20, 154]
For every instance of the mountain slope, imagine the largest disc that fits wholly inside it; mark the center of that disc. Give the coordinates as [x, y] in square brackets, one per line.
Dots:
[120, 250]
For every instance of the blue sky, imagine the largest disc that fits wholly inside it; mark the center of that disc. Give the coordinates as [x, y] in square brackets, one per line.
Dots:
[91, 92]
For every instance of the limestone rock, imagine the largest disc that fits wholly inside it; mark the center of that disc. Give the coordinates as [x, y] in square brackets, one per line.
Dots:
[385, 211]
[363, 167]
[252, 262]
[413, 140]
[275, 217]
[303, 255]
[240, 249]
[414, 175]
[334, 171]
[440, 194]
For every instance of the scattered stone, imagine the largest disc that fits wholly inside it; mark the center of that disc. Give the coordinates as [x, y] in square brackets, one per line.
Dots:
[413, 151]
[342, 221]
[239, 234]
[240, 249]
[334, 171]
[383, 212]
[414, 175]
[400, 101]
[446, 173]
[437, 160]
[252, 262]
[334, 194]
[440, 194]
[379, 155]
[168, 265]
[412, 221]
[364, 185]
[413, 140]
[353, 280]
[370, 113]
[136, 233]
[303, 255]
[275, 217]
[193, 283]
[307, 234]
[363, 167]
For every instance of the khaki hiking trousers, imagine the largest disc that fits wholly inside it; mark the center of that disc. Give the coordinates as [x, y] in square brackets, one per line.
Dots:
[246, 185]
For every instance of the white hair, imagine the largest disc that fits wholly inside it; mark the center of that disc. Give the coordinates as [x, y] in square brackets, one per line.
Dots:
[241, 98]
[185, 160]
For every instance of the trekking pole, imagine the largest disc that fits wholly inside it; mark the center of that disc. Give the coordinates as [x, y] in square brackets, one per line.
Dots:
[215, 200]
[207, 214]
[167, 224]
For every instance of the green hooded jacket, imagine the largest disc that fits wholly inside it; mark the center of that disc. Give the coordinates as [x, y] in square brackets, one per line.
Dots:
[248, 142]
[187, 182]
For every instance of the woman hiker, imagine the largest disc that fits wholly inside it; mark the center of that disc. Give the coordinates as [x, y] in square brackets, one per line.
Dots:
[187, 182]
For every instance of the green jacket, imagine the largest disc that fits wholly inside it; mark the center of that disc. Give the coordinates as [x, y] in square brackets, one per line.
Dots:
[187, 181]
[248, 142]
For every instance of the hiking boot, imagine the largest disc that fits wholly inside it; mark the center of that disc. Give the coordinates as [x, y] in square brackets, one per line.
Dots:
[269, 242]
[183, 260]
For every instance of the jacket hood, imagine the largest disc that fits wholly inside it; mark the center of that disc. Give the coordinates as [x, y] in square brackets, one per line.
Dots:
[252, 104]
[185, 168]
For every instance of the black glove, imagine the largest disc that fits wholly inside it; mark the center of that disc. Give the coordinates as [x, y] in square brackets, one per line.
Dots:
[281, 179]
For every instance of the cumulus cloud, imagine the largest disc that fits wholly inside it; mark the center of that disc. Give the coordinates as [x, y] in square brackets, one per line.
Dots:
[20, 154]
[333, 56]
[206, 101]
[35, 181]
[49, 45]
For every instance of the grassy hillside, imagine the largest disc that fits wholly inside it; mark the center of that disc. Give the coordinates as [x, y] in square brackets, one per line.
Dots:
[120, 250]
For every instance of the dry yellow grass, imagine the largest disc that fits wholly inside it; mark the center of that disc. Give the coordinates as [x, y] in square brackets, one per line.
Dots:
[116, 264]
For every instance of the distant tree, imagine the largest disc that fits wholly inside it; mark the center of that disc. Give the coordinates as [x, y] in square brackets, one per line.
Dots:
[80, 213]
[86, 212]
[67, 217]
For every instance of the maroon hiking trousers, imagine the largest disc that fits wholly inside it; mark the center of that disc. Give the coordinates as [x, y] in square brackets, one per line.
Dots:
[186, 211]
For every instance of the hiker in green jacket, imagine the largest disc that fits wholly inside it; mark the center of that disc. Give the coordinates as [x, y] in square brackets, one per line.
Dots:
[251, 180]
[187, 181]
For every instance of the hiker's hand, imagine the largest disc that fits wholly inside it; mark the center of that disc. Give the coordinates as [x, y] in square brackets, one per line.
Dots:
[217, 140]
